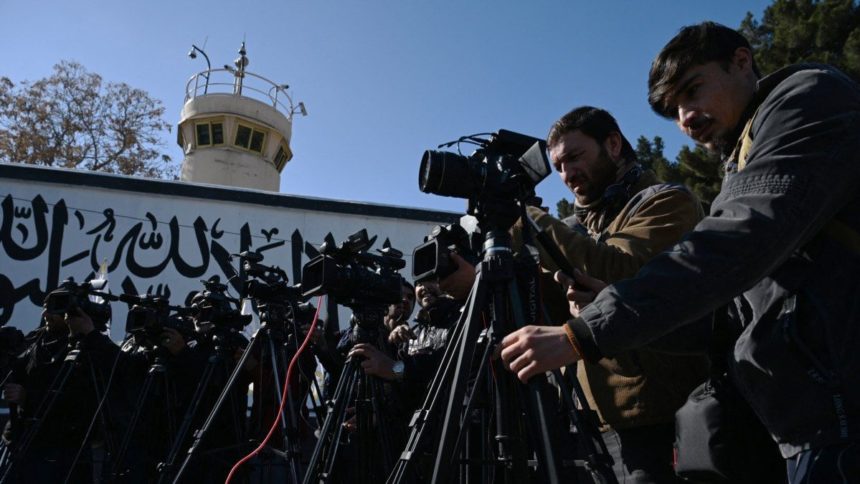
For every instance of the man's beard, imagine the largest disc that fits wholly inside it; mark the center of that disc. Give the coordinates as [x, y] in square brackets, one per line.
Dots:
[605, 174]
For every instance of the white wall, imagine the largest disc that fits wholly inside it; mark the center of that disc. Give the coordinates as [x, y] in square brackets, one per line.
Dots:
[155, 238]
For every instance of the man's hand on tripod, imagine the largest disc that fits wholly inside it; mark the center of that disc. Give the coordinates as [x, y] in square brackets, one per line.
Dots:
[532, 350]
[375, 362]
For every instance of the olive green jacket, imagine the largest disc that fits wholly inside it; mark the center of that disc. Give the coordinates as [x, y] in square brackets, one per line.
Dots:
[640, 387]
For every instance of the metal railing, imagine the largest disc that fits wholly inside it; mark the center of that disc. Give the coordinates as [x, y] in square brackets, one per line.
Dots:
[226, 82]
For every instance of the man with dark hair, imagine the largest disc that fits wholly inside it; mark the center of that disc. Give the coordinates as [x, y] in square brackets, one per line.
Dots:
[623, 216]
[781, 247]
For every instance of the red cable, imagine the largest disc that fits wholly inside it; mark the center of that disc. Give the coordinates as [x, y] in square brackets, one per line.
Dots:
[283, 397]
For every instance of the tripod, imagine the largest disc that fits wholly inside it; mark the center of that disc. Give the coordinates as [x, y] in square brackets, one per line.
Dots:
[272, 332]
[73, 361]
[157, 388]
[449, 407]
[367, 392]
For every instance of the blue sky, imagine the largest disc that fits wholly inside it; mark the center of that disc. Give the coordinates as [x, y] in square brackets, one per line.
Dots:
[382, 80]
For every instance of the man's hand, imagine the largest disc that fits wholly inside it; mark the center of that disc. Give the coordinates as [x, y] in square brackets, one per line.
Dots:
[580, 297]
[401, 334]
[172, 340]
[375, 362]
[459, 283]
[537, 349]
[80, 323]
[14, 393]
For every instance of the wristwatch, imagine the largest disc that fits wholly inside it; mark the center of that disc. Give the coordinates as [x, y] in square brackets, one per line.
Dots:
[398, 370]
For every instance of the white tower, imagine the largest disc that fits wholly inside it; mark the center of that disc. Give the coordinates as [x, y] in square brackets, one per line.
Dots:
[235, 127]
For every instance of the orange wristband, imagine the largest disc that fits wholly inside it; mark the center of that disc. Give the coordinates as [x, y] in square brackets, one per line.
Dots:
[570, 337]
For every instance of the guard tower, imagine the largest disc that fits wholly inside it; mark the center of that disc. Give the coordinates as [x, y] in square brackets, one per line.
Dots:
[235, 127]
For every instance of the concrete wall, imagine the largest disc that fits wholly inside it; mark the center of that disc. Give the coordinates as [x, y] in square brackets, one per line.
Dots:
[163, 237]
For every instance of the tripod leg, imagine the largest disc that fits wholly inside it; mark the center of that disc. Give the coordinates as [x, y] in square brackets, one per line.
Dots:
[444, 457]
[287, 426]
[43, 410]
[329, 436]
[200, 434]
[419, 435]
[142, 399]
[382, 433]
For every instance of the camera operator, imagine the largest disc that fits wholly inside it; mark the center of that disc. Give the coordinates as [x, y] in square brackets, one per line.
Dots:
[623, 216]
[177, 367]
[418, 358]
[397, 319]
[53, 451]
[780, 246]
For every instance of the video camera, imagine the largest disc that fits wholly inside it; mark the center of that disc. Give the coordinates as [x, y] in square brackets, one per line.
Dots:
[352, 275]
[432, 259]
[70, 296]
[150, 314]
[213, 308]
[269, 283]
[506, 166]
[269, 287]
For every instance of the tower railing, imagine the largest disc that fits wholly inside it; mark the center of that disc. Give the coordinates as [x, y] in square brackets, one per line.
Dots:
[229, 82]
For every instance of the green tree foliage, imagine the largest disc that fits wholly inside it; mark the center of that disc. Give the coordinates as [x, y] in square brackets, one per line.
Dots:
[790, 32]
[564, 208]
[650, 155]
[72, 119]
[701, 171]
[793, 31]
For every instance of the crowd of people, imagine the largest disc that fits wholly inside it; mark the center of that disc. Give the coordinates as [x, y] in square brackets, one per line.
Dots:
[758, 290]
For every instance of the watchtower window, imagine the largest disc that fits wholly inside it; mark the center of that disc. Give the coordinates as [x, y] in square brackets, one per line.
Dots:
[250, 138]
[280, 158]
[203, 136]
[257, 141]
[217, 133]
[209, 134]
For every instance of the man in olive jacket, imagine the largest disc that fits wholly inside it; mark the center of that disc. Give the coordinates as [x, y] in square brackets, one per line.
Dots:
[781, 245]
[624, 217]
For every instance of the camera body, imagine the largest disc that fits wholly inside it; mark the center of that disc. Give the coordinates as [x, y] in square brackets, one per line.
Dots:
[148, 317]
[352, 275]
[507, 166]
[432, 259]
[213, 308]
[70, 296]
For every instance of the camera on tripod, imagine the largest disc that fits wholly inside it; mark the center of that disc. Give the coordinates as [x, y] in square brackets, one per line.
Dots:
[352, 275]
[432, 259]
[70, 296]
[506, 166]
[149, 315]
[213, 308]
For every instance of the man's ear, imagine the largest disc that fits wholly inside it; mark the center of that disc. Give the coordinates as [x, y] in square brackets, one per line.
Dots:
[612, 144]
[743, 59]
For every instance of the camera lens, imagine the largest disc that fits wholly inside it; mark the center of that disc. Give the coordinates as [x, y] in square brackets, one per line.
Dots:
[446, 174]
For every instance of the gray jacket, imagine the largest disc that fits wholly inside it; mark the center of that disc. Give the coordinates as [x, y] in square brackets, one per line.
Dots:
[780, 247]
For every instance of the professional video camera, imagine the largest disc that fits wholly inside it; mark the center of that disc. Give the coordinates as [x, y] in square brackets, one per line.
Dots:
[70, 296]
[432, 259]
[506, 166]
[269, 283]
[213, 308]
[352, 275]
[269, 287]
[150, 314]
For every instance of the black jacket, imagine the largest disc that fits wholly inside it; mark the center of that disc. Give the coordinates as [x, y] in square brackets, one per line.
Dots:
[769, 249]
